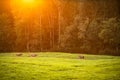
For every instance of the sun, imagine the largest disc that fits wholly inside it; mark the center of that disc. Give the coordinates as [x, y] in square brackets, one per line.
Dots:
[32, 3]
[24, 3]
[28, 1]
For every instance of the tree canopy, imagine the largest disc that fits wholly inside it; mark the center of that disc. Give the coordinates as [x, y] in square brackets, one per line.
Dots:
[90, 26]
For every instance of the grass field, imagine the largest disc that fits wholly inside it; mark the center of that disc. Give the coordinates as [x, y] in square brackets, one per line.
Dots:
[59, 66]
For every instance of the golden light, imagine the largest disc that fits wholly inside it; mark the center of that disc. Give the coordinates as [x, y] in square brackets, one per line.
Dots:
[28, 1]
[30, 7]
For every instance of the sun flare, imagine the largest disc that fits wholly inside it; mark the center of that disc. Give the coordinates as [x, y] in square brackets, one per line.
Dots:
[28, 1]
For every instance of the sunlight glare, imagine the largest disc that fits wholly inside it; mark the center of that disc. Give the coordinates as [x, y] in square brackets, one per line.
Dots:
[28, 1]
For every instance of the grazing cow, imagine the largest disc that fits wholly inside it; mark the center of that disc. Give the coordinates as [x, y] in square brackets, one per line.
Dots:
[33, 55]
[19, 54]
[81, 57]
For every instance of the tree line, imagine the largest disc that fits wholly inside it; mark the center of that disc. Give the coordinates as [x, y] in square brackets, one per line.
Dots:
[84, 26]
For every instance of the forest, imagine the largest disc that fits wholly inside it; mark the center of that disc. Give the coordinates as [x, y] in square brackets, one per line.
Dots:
[59, 39]
[81, 26]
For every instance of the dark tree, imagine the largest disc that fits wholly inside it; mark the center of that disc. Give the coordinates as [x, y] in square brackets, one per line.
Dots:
[7, 34]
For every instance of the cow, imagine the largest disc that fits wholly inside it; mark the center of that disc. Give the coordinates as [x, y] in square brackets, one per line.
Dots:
[81, 57]
[19, 54]
[33, 55]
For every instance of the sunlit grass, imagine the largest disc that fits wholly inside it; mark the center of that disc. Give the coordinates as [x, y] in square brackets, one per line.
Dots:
[59, 66]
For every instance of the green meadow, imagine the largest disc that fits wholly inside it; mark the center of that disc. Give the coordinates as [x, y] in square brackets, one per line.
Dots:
[59, 66]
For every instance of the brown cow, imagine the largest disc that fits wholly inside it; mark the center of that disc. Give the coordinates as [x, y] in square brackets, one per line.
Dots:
[19, 54]
[81, 57]
[33, 55]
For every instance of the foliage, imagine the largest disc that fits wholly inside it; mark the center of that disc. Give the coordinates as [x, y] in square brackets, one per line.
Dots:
[96, 36]
[90, 26]
[110, 34]
[7, 36]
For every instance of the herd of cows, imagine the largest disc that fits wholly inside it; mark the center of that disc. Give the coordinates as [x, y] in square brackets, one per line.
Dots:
[35, 55]
[30, 55]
